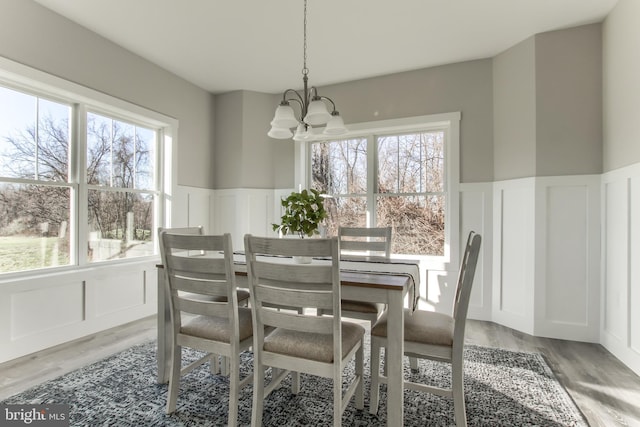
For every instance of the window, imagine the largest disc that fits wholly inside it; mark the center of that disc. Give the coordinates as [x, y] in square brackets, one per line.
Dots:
[385, 174]
[120, 174]
[80, 179]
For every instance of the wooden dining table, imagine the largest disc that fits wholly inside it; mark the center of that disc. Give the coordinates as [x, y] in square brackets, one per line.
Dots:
[364, 279]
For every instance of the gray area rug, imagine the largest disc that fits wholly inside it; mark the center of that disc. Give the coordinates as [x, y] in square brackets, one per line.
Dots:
[503, 388]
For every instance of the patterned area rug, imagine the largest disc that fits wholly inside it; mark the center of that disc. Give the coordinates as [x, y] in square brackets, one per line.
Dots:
[503, 388]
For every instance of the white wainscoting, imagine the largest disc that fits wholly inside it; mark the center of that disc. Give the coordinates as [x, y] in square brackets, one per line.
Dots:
[620, 325]
[42, 311]
[192, 207]
[241, 211]
[546, 243]
[476, 206]
[513, 262]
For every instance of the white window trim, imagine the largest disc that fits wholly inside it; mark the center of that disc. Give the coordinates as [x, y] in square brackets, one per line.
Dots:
[404, 125]
[22, 77]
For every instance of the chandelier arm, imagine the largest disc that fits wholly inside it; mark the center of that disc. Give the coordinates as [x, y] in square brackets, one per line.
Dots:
[285, 99]
[298, 101]
[333, 104]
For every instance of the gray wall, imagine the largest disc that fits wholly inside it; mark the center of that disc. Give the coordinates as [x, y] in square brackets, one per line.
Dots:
[621, 47]
[39, 38]
[548, 105]
[569, 101]
[245, 156]
[514, 112]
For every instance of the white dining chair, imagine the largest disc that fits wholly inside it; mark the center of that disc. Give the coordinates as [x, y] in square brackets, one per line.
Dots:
[363, 242]
[434, 336]
[317, 345]
[212, 321]
[243, 294]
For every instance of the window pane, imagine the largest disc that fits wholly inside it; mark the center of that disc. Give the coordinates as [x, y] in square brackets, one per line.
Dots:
[98, 150]
[144, 158]
[120, 225]
[339, 167]
[388, 164]
[119, 154]
[20, 156]
[34, 227]
[345, 211]
[417, 221]
[53, 141]
[412, 163]
[433, 153]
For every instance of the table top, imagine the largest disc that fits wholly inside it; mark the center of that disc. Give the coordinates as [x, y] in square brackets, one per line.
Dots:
[349, 276]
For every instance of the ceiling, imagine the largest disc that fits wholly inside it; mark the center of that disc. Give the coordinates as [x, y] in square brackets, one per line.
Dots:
[225, 45]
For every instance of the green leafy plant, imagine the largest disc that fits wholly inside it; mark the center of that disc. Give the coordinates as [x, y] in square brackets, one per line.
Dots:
[303, 213]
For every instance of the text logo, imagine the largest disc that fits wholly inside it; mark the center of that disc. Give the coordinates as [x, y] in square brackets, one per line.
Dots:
[52, 415]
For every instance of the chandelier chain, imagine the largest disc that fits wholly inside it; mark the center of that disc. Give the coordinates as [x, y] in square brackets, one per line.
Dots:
[305, 70]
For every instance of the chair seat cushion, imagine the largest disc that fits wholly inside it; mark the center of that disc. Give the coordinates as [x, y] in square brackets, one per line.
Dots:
[362, 306]
[312, 346]
[425, 327]
[217, 328]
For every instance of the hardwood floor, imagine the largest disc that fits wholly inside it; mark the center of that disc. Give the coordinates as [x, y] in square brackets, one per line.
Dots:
[607, 392]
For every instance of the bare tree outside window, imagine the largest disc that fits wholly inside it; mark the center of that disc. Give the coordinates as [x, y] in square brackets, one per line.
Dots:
[408, 194]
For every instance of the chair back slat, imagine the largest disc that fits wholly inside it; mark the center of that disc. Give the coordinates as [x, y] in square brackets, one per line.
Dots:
[278, 272]
[296, 322]
[366, 240]
[215, 288]
[293, 297]
[203, 308]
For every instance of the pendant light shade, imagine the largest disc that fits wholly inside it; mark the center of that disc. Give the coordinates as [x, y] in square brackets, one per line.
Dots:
[335, 125]
[284, 117]
[280, 133]
[301, 133]
[317, 113]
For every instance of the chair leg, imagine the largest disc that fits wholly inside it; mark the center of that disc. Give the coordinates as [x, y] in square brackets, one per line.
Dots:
[258, 393]
[234, 391]
[214, 364]
[375, 376]
[413, 362]
[224, 365]
[457, 382]
[174, 379]
[360, 377]
[295, 382]
[337, 396]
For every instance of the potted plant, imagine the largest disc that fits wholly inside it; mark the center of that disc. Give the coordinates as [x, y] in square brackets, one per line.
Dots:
[303, 213]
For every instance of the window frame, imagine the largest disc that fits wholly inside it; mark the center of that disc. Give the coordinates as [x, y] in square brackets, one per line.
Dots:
[83, 100]
[449, 122]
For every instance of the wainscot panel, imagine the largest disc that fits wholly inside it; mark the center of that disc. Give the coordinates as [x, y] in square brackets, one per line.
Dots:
[620, 278]
[46, 309]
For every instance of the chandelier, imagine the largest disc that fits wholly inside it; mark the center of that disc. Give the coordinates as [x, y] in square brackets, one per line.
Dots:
[313, 108]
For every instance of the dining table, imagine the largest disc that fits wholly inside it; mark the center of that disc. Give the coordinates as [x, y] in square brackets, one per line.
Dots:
[389, 281]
